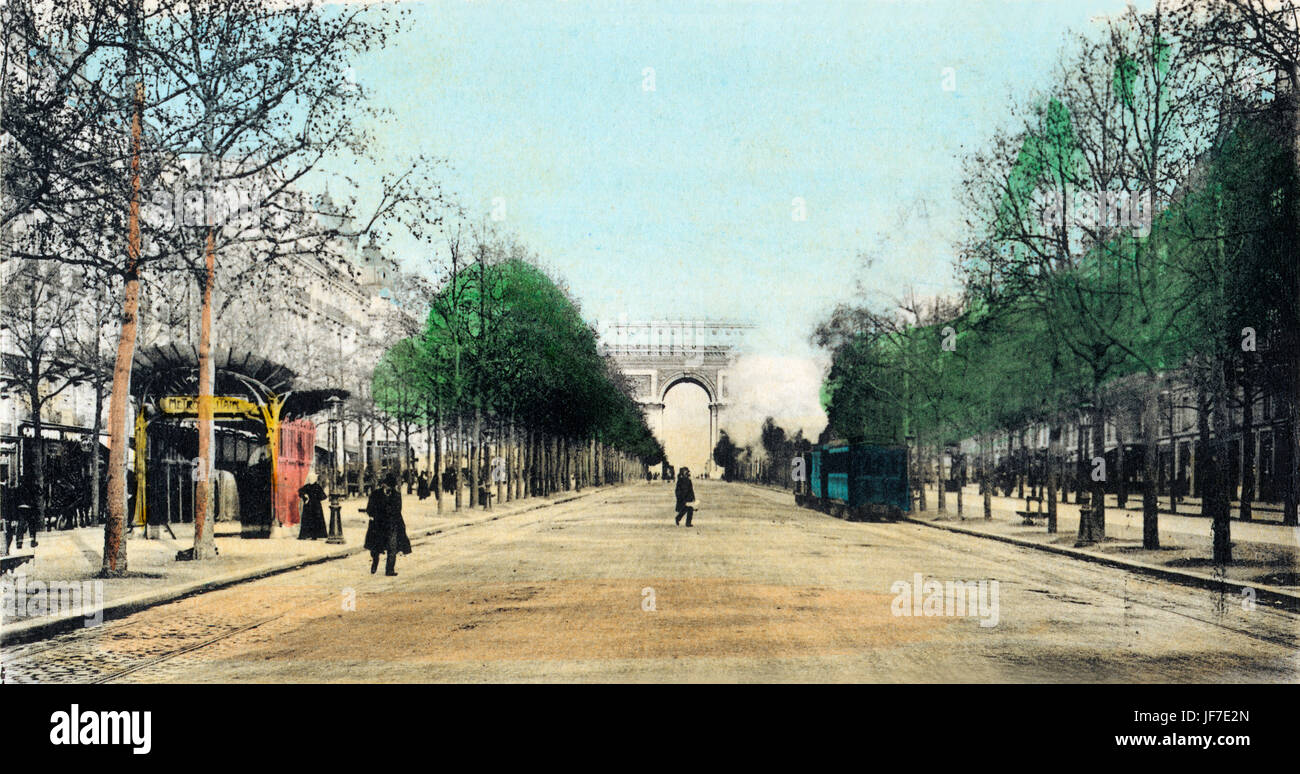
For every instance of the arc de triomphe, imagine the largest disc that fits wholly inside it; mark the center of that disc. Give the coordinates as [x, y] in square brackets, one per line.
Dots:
[659, 354]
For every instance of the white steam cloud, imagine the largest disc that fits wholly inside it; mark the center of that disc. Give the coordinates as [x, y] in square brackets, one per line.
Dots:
[787, 389]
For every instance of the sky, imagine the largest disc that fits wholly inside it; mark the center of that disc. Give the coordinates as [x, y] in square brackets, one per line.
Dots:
[652, 153]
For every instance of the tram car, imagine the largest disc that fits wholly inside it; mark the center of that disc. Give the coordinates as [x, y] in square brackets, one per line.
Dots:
[856, 481]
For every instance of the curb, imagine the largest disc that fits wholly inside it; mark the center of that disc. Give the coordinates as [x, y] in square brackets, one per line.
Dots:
[1287, 600]
[44, 628]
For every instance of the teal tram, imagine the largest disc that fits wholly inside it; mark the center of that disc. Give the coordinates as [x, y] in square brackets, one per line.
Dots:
[856, 481]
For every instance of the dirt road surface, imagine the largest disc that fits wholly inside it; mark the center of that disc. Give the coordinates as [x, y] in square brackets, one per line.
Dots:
[607, 588]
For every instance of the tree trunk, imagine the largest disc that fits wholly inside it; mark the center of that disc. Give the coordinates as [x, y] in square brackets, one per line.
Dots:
[38, 449]
[456, 459]
[438, 464]
[204, 545]
[986, 479]
[508, 445]
[1151, 463]
[1053, 451]
[114, 562]
[428, 447]
[95, 426]
[476, 467]
[1247, 448]
[1022, 461]
[1216, 498]
[526, 452]
[502, 451]
[961, 484]
[1174, 483]
[921, 465]
[1121, 481]
[1292, 474]
[940, 495]
[1081, 468]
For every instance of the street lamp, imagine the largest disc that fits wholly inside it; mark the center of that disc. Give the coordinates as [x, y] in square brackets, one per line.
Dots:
[336, 510]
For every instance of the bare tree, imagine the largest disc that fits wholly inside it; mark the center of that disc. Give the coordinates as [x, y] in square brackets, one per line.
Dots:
[38, 310]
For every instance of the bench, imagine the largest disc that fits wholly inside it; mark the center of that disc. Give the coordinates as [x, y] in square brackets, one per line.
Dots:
[1037, 513]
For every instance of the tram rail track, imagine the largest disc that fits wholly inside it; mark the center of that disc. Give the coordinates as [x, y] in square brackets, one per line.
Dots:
[32, 654]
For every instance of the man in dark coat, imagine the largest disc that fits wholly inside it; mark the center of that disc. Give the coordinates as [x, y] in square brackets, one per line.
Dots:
[685, 494]
[423, 487]
[387, 530]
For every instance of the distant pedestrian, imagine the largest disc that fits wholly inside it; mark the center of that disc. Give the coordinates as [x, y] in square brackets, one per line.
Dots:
[313, 517]
[28, 509]
[387, 530]
[685, 496]
[423, 487]
[12, 516]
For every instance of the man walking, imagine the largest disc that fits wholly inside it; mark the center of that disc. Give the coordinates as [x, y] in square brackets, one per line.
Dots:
[685, 496]
[387, 530]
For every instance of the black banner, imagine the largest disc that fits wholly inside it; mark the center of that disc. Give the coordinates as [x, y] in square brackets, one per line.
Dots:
[306, 723]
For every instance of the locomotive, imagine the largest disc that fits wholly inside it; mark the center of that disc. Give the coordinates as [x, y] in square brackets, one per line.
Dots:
[856, 481]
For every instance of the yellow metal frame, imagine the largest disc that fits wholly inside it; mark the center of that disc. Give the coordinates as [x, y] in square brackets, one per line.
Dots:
[225, 407]
[271, 416]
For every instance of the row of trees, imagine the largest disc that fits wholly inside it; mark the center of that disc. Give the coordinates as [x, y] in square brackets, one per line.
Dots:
[507, 379]
[1135, 231]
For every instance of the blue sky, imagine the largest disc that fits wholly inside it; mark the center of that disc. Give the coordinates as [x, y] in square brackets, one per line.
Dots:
[677, 202]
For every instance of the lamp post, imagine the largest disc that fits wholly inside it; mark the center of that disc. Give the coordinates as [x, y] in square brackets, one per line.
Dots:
[1084, 443]
[1084, 494]
[336, 510]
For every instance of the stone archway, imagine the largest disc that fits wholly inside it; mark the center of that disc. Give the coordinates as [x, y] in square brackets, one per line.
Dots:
[674, 380]
[657, 355]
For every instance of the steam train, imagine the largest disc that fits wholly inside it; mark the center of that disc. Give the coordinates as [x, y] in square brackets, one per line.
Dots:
[855, 481]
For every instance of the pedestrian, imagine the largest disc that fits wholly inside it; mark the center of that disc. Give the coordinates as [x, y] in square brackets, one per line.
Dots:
[423, 488]
[254, 484]
[685, 496]
[313, 516]
[28, 509]
[12, 516]
[387, 530]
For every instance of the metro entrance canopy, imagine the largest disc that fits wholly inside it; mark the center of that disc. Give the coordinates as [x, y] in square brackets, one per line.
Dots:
[254, 395]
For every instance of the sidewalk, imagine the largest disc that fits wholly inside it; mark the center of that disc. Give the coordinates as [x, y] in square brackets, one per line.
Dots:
[1266, 556]
[154, 576]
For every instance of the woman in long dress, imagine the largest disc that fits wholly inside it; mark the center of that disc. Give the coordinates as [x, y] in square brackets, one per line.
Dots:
[313, 517]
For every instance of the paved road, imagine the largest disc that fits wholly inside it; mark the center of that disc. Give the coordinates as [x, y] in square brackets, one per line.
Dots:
[758, 590]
